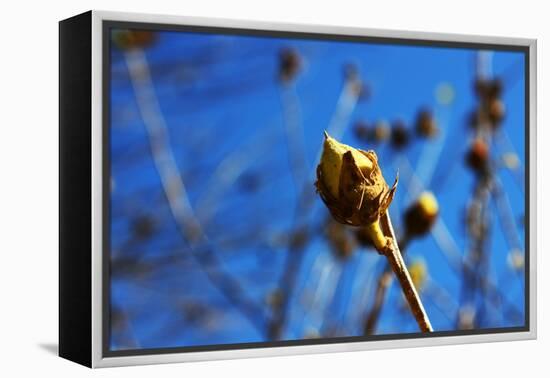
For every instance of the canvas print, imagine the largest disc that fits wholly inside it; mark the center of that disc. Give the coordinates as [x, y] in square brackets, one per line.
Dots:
[273, 189]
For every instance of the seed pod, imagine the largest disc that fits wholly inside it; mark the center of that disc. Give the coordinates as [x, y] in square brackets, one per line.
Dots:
[480, 87]
[360, 89]
[298, 239]
[357, 86]
[477, 157]
[421, 215]
[496, 112]
[426, 126]
[350, 71]
[480, 118]
[371, 134]
[488, 89]
[290, 64]
[400, 135]
[143, 227]
[351, 184]
[381, 132]
[274, 299]
[362, 131]
[131, 39]
[466, 317]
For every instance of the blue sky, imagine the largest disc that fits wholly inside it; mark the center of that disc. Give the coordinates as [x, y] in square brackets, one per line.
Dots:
[219, 95]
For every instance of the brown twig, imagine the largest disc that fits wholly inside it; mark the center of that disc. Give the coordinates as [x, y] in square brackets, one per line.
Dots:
[395, 260]
[382, 285]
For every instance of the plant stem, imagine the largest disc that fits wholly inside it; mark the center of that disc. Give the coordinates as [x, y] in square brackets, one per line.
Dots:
[400, 270]
[383, 283]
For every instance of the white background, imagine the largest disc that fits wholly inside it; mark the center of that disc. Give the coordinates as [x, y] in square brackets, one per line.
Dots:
[29, 189]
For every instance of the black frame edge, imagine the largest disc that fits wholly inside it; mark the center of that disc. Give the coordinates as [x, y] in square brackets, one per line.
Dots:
[75, 177]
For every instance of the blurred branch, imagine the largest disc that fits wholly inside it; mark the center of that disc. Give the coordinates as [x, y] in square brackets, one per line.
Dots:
[344, 108]
[174, 187]
[126, 338]
[518, 172]
[441, 299]
[334, 314]
[478, 221]
[228, 171]
[448, 246]
[294, 134]
[383, 283]
[504, 211]
[432, 150]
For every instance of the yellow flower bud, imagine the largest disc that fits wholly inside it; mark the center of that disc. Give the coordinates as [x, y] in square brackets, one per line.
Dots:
[421, 215]
[418, 272]
[516, 260]
[511, 160]
[351, 184]
[428, 204]
[331, 162]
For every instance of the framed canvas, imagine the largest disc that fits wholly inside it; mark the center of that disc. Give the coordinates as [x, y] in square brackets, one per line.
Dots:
[236, 189]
